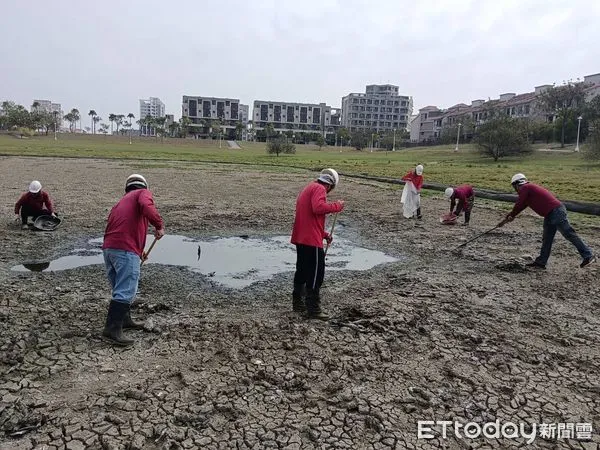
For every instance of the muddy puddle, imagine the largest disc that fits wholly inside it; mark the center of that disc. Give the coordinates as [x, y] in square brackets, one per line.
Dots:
[234, 262]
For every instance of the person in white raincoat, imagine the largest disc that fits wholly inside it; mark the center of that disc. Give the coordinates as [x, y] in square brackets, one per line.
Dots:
[411, 194]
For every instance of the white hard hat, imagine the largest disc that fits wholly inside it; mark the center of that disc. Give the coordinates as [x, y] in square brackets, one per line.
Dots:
[448, 192]
[35, 187]
[518, 178]
[329, 176]
[419, 169]
[136, 180]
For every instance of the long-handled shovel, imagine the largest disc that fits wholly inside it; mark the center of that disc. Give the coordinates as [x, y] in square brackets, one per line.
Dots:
[476, 237]
[146, 254]
[331, 234]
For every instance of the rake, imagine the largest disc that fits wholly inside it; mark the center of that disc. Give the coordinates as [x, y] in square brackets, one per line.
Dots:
[331, 234]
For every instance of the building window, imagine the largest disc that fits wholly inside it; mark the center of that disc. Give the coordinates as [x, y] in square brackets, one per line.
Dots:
[226, 102]
[214, 102]
[264, 113]
[290, 114]
[234, 111]
[193, 107]
[277, 113]
[303, 115]
[206, 109]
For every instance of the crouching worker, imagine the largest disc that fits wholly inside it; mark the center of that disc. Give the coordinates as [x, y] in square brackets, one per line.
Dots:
[463, 198]
[308, 235]
[555, 218]
[124, 243]
[31, 204]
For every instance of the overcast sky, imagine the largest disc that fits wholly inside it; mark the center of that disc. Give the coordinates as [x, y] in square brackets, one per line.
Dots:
[105, 55]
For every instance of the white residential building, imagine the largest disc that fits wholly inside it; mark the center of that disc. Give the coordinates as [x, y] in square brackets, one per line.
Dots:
[289, 116]
[203, 111]
[379, 108]
[152, 107]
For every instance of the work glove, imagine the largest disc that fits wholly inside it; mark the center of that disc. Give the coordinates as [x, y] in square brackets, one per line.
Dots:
[506, 220]
[54, 215]
[329, 238]
[159, 233]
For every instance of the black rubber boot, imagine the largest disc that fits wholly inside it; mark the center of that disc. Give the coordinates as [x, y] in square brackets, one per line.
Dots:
[297, 298]
[419, 216]
[128, 321]
[313, 306]
[113, 330]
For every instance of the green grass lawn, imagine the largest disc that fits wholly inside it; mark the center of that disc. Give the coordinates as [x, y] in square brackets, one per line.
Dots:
[567, 174]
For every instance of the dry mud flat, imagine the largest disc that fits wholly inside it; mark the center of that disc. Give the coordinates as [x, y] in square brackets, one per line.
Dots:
[435, 336]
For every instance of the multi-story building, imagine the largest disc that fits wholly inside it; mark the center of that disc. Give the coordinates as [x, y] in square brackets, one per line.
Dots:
[203, 112]
[152, 107]
[426, 125]
[48, 106]
[525, 105]
[296, 117]
[380, 108]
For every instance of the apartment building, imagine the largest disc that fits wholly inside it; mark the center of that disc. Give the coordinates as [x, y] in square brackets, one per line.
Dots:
[379, 108]
[430, 120]
[202, 110]
[426, 125]
[289, 116]
[152, 107]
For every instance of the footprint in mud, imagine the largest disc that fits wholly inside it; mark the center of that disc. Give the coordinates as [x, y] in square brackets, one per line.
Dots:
[513, 267]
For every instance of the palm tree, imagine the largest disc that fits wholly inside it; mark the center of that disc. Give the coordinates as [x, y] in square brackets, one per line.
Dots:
[95, 120]
[69, 118]
[159, 123]
[119, 121]
[76, 117]
[93, 115]
[111, 117]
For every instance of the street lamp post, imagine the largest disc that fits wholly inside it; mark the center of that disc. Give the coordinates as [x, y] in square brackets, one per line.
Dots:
[55, 120]
[578, 128]
[457, 137]
[394, 142]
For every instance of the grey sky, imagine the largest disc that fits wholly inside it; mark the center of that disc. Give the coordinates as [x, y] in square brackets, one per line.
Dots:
[106, 55]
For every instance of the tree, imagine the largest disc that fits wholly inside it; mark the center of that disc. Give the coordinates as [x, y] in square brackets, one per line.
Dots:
[360, 139]
[269, 131]
[239, 130]
[185, 123]
[173, 129]
[69, 117]
[159, 126]
[320, 141]
[95, 120]
[564, 101]
[215, 128]
[111, 118]
[592, 149]
[76, 117]
[502, 136]
[104, 129]
[93, 114]
[279, 145]
[344, 135]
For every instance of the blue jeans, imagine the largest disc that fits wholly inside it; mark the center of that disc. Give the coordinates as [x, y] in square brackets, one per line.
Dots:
[123, 271]
[557, 220]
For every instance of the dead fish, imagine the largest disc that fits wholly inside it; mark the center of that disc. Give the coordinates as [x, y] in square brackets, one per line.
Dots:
[199, 252]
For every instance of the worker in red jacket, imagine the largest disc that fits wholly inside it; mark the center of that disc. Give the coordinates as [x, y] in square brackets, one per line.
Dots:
[123, 248]
[555, 218]
[31, 204]
[463, 197]
[308, 235]
[416, 178]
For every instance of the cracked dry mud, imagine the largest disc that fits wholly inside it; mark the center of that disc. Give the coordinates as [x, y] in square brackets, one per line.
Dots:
[442, 336]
